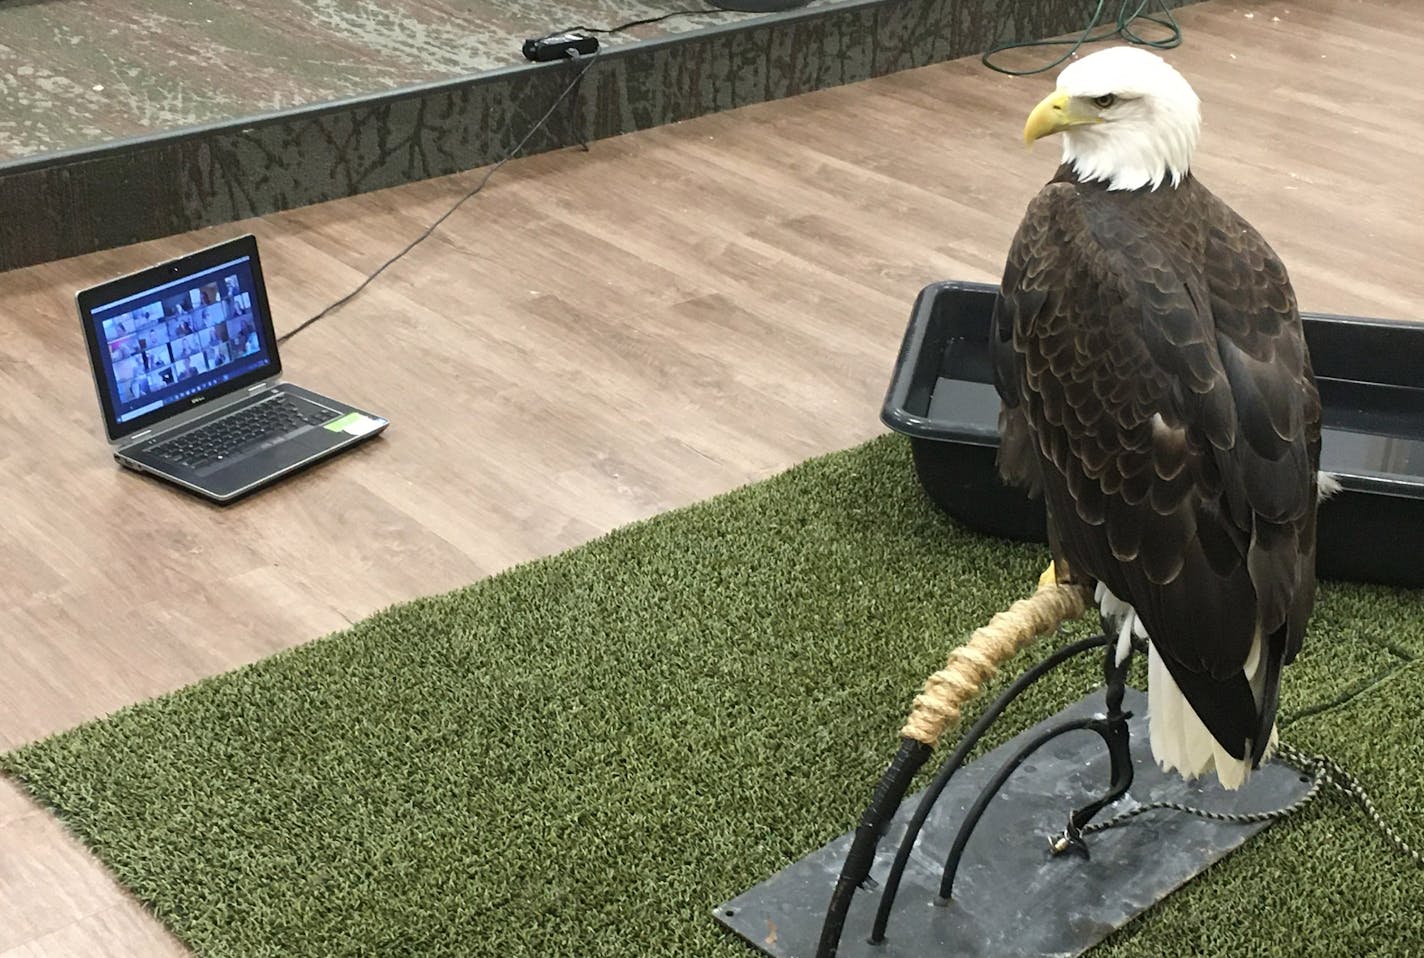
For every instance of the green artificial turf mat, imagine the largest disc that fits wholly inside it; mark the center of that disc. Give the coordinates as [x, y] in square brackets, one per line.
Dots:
[582, 756]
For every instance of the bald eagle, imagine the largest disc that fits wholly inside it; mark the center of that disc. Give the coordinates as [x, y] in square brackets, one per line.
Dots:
[1157, 391]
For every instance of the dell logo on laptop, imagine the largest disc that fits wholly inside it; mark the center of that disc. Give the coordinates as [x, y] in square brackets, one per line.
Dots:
[196, 399]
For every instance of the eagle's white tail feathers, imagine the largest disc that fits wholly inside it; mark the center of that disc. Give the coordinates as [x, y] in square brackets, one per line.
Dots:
[1180, 740]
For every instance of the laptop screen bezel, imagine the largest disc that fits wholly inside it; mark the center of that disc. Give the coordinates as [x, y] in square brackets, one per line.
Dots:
[175, 270]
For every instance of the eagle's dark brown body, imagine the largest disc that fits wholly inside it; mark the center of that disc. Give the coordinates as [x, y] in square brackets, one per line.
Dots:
[1156, 388]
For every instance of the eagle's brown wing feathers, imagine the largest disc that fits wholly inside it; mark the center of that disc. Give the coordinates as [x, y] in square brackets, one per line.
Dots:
[1153, 371]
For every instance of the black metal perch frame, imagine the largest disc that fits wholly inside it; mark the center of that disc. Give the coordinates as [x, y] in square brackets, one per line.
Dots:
[1111, 726]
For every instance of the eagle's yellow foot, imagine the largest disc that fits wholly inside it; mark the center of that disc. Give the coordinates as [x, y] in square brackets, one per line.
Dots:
[1051, 577]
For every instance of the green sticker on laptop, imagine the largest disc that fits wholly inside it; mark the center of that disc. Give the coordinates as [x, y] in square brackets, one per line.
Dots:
[339, 425]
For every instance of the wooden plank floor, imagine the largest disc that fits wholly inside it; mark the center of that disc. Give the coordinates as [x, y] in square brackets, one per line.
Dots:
[598, 338]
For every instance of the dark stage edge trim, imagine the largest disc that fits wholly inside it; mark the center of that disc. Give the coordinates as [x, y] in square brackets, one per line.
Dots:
[142, 188]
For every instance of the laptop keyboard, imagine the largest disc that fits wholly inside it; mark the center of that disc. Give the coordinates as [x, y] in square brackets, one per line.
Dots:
[242, 431]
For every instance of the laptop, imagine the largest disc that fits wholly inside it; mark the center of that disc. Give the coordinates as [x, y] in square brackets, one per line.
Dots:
[190, 383]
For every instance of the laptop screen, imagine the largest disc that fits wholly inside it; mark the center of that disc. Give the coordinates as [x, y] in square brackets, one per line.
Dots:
[169, 337]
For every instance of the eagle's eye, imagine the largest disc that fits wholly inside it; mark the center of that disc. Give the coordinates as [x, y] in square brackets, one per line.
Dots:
[1105, 101]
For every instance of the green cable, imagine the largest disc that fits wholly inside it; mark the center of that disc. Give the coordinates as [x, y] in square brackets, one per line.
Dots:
[1127, 15]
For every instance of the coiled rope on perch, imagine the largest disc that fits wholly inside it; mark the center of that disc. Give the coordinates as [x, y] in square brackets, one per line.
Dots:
[937, 708]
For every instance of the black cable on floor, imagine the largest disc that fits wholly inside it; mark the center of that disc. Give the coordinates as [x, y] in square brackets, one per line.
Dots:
[1129, 12]
[571, 88]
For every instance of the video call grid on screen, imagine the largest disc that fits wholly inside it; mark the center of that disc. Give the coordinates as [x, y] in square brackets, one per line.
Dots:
[180, 339]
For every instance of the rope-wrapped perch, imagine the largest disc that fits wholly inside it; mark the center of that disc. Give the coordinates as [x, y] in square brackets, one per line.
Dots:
[935, 710]
[938, 707]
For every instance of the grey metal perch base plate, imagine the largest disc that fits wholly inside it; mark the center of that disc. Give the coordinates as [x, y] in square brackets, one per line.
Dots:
[1011, 896]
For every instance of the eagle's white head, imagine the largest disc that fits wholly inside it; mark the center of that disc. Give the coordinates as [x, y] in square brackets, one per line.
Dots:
[1127, 117]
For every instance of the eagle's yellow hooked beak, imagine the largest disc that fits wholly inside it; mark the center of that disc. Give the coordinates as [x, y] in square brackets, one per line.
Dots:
[1054, 114]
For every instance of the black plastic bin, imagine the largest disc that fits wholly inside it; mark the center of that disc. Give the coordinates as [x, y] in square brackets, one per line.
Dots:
[1371, 376]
